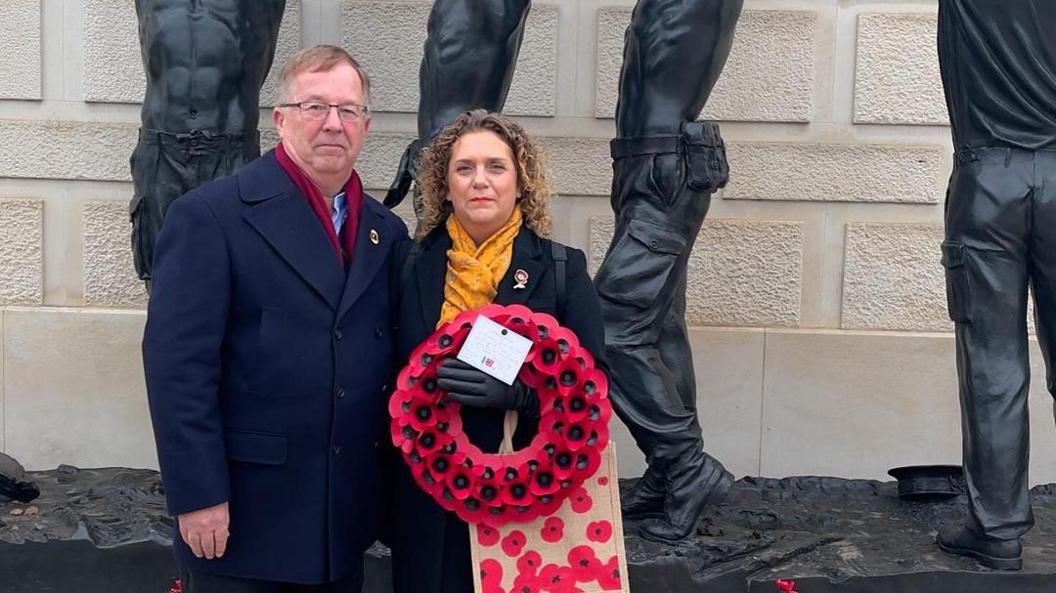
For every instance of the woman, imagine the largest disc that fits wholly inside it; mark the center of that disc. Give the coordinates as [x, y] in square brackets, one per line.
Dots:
[482, 240]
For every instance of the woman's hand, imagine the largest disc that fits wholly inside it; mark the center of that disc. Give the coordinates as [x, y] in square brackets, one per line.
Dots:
[467, 385]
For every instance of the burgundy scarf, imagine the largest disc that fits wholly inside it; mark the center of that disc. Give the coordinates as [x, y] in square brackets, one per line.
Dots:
[353, 202]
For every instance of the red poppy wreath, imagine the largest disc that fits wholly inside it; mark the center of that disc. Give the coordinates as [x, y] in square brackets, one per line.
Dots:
[496, 489]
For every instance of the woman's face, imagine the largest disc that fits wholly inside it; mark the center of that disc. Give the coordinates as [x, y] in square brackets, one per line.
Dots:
[482, 183]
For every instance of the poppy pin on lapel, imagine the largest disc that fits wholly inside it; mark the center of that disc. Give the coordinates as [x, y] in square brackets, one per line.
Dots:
[374, 236]
[522, 279]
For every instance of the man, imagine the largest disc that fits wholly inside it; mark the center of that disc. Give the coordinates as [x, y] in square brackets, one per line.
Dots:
[205, 62]
[267, 350]
[998, 64]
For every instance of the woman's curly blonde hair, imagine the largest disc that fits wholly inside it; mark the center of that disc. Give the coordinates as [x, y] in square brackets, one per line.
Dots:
[534, 192]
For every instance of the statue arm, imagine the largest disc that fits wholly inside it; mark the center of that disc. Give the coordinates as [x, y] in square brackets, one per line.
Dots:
[469, 58]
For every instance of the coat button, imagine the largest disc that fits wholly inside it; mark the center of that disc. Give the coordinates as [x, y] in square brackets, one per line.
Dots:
[337, 450]
[338, 334]
[377, 332]
[653, 244]
[339, 392]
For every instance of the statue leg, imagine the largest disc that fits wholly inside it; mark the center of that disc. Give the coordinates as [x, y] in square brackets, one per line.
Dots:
[666, 167]
[468, 61]
[986, 256]
[662, 195]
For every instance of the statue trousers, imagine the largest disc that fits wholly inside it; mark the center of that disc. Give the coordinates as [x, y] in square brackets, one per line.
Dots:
[661, 191]
[165, 166]
[1000, 237]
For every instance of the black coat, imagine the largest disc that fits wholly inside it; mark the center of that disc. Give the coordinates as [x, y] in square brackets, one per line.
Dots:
[268, 369]
[430, 546]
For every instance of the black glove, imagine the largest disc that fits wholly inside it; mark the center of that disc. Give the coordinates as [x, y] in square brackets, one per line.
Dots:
[467, 385]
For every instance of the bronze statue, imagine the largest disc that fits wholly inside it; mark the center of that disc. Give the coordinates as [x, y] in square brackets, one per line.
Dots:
[998, 64]
[205, 62]
[666, 167]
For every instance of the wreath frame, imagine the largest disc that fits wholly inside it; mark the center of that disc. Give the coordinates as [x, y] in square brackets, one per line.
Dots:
[493, 488]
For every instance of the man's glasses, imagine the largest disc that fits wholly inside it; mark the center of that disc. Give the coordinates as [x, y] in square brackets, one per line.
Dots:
[315, 110]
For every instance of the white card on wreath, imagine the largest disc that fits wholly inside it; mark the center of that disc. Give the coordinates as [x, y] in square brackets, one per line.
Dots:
[495, 350]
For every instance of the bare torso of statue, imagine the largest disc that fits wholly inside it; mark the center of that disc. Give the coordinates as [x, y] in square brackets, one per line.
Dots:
[206, 61]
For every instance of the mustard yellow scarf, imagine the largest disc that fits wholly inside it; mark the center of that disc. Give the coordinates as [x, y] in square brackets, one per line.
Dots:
[474, 273]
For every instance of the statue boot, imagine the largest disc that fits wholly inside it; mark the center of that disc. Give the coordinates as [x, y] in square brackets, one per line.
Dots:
[691, 486]
[646, 496]
[993, 553]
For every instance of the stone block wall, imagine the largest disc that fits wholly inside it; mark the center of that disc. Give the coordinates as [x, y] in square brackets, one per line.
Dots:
[816, 298]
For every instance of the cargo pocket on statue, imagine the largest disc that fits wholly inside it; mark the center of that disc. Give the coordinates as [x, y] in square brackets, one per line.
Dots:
[958, 289]
[706, 165]
[640, 263]
[140, 255]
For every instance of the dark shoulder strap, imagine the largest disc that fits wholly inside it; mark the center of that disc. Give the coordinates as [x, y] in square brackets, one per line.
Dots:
[408, 264]
[560, 256]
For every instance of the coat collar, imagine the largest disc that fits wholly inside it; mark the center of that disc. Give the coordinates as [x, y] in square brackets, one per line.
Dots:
[430, 268]
[284, 219]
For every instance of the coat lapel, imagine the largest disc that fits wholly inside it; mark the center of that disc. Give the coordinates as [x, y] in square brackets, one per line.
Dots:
[526, 259]
[431, 271]
[369, 255]
[283, 218]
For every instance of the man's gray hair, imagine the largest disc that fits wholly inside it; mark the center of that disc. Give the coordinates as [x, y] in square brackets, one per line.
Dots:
[320, 58]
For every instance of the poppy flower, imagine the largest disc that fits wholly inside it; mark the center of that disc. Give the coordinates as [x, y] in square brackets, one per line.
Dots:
[576, 435]
[403, 434]
[567, 341]
[543, 482]
[558, 579]
[577, 406]
[545, 356]
[527, 583]
[460, 483]
[430, 441]
[564, 464]
[609, 576]
[603, 481]
[472, 511]
[548, 505]
[568, 376]
[529, 563]
[513, 543]
[553, 530]
[587, 462]
[584, 358]
[543, 323]
[585, 565]
[516, 493]
[400, 402]
[487, 535]
[599, 531]
[422, 415]
[490, 571]
[581, 501]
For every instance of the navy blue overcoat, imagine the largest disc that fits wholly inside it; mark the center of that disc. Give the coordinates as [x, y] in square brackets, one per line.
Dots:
[268, 369]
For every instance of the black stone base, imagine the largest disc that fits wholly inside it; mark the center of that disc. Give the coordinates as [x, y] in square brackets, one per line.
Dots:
[832, 535]
[104, 531]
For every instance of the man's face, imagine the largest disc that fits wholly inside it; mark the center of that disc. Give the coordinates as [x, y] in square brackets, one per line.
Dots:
[327, 147]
